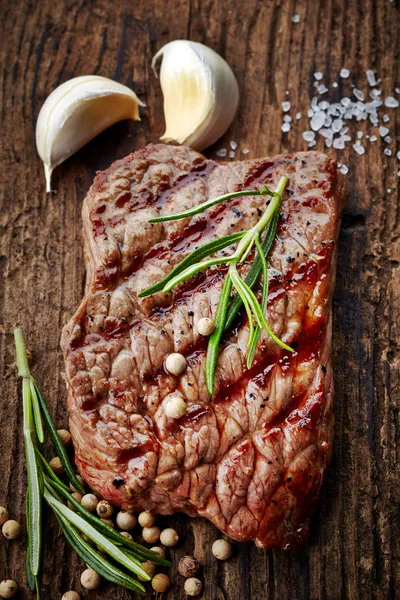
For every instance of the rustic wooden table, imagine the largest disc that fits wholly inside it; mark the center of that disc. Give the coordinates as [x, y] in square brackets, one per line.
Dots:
[354, 548]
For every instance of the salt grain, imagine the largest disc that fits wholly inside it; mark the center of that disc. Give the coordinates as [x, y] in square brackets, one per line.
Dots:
[233, 145]
[310, 112]
[389, 190]
[287, 118]
[317, 120]
[296, 19]
[298, 115]
[286, 106]
[308, 136]
[324, 105]
[322, 89]
[391, 102]
[318, 75]
[285, 127]
[383, 131]
[337, 125]
[371, 77]
[223, 152]
[398, 155]
[359, 134]
[358, 148]
[373, 138]
[335, 84]
[245, 151]
[344, 169]
[311, 144]
[231, 154]
[386, 118]
[388, 152]
[358, 94]
[375, 94]
[397, 90]
[387, 139]
[338, 144]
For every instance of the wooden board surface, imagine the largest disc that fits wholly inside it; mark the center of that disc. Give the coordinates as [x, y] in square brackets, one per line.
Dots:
[354, 550]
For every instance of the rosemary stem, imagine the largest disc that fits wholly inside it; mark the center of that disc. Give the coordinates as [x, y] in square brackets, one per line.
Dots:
[20, 349]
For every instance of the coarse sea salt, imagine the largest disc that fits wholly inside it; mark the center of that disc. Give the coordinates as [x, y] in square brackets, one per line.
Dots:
[391, 102]
[317, 120]
[287, 118]
[335, 84]
[337, 125]
[222, 152]
[398, 155]
[371, 77]
[359, 148]
[318, 75]
[344, 169]
[388, 152]
[383, 131]
[286, 106]
[344, 73]
[387, 139]
[298, 115]
[322, 89]
[232, 154]
[373, 138]
[308, 136]
[359, 134]
[285, 127]
[233, 145]
[386, 118]
[358, 94]
[245, 151]
[296, 19]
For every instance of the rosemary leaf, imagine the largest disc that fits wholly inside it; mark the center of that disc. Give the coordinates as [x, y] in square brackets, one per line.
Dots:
[261, 320]
[215, 338]
[61, 452]
[201, 207]
[255, 338]
[29, 576]
[255, 270]
[36, 414]
[96, 560]
[194, 257]
[193, 270]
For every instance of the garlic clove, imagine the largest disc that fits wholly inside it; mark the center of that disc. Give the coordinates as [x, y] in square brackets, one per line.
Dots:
[200, 91]
[77, 111]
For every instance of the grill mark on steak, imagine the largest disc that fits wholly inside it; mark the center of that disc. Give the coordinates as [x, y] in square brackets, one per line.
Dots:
[251, 459]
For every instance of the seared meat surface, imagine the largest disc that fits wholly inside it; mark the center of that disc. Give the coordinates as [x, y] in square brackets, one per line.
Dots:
[252, 458]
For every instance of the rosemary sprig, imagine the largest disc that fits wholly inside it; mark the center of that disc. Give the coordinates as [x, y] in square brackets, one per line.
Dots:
[226, 313]
[43, 484]
[212, 202]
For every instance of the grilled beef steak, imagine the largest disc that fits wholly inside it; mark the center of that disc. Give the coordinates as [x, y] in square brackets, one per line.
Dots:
[252, 458]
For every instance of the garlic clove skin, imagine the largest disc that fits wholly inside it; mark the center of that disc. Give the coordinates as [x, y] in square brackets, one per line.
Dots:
[77, 111]
[200, 91]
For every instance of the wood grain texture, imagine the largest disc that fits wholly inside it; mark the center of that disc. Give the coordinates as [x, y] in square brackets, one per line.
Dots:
[354, 550]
